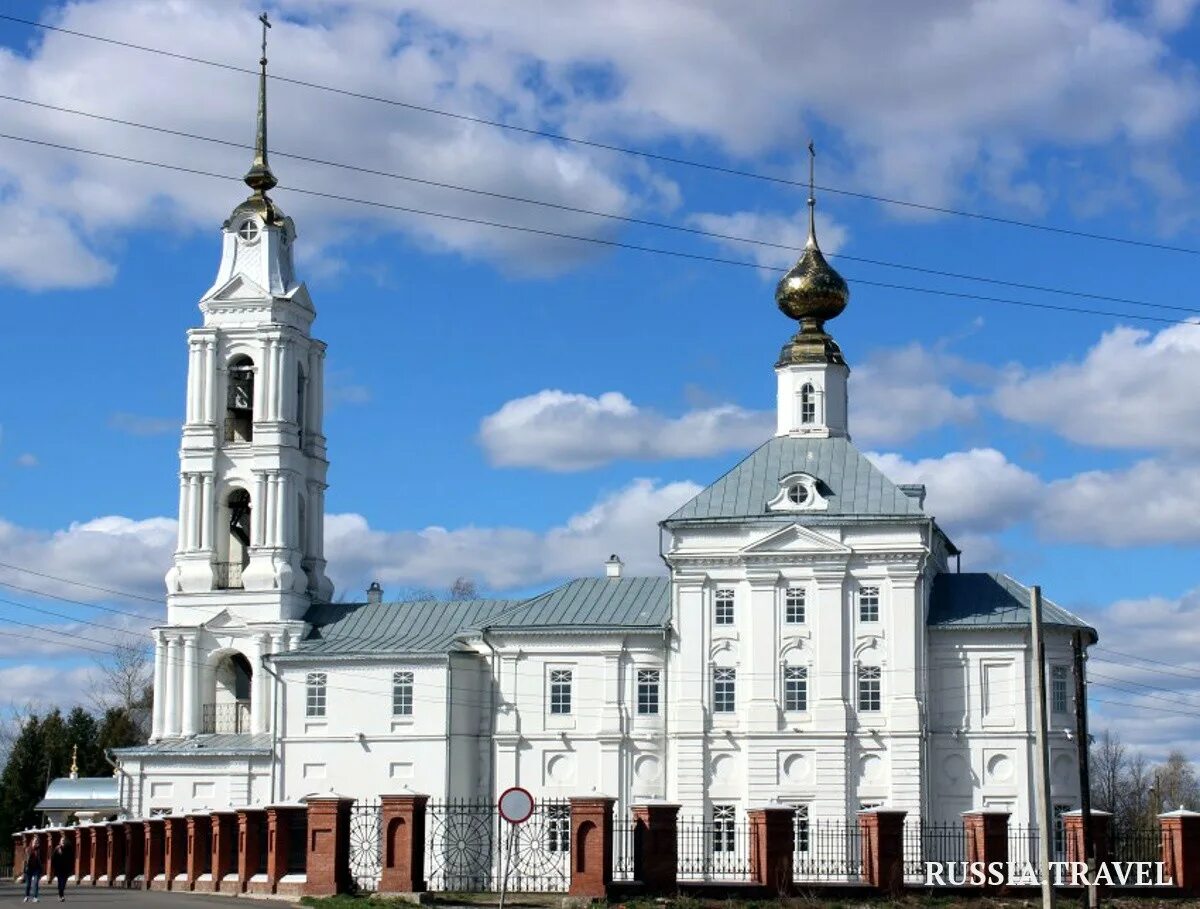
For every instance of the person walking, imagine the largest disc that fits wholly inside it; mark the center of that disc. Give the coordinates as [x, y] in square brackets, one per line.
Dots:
[60, 867]
[33, 872]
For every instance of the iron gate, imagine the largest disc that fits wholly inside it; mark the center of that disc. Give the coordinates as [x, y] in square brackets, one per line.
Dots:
[465, 841]
[366, 844]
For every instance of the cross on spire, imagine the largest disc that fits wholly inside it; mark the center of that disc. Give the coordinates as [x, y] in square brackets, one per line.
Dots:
[259, 178]
[812, 197]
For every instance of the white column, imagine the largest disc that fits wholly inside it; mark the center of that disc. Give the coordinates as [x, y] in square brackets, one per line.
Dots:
[192, 508]
[262, 378]
[210, 380]
[316, 511]
[191, 694]
[206, 512]
[258, 690]
[258, 510]
[192, 414]
[160, 681]
[317, 390]
[270, 509]
[173, 672]
[181, 530]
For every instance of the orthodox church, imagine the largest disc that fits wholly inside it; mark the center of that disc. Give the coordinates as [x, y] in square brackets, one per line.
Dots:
[810, 641]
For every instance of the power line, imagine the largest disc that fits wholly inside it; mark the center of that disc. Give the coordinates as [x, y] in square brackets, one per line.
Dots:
[605, 146]
[612, 244]
[612, 216]
[120, 593]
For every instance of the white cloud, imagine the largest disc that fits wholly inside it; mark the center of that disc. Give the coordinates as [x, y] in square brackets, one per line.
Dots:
[899, 394]
[1132, 389]
[27, 459]
[141, 425]
[42, 250]
[973, 491]
[558, 430]
[790, 232]
[26, 684]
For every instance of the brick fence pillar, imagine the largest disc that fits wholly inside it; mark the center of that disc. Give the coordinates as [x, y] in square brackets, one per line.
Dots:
[656, 847]
[251, 857]
[591, 846]
[883, 848]
[99, 852]
[175, 840]
[328, 848]
[70, 841]
[772, 841]
[18, 855]
[1181, 848]
[1073, 833]
[155, 830]
[116, 851]
[199, 848]
[280, 820]
[83, 853]
[403, 820]
[135, 860]
[986, 832]
[46, 846]
[224, 840]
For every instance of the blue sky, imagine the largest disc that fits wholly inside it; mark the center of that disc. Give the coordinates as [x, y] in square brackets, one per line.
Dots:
[1058, 447]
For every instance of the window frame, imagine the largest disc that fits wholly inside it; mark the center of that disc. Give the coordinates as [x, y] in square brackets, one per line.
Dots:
[795, 689]
[558, 828]
[792, 608]
[1060, 697]
[808, 404]
[723, 827]
[648, 691]
[870, 689]
[869, 597]
[802, 832]
[316, 698]
[724, 689]
[399, 695]
[724, 606]
[560, 694]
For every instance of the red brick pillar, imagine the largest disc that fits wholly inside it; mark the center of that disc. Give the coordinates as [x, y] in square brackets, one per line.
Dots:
[199, 848]
[46, 846]
[83, 853]
[403, 821]
[116, 851]
[175, 851]
[656, 847]
[135, 861]
[591, 846]
[1181, 848]
[882, 832]
[70, 844]
[99, 852]
[18, 855]
[152, 853]
[1073, 831]
[250, 858]
[280, 819]
[986, 832]
[772, 841]
[223, 840]
[328, 849]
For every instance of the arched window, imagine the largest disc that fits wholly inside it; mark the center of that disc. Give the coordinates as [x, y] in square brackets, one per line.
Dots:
[301, 403]
[808, 404]
[236, 548]
[228, 708]
[239, 404]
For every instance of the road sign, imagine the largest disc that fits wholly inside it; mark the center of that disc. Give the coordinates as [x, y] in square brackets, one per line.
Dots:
[516, 805]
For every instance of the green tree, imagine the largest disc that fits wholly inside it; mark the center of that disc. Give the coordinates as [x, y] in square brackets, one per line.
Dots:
[21, 783]
[117, 730]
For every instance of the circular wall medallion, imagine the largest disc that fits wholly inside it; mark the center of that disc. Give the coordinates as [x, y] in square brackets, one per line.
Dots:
[1000, 768]
[722, 767]
[646, 768]
[797, 767]
[870, 768]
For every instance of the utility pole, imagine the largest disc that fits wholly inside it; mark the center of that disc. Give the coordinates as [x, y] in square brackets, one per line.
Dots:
[1085, 791]
[1044, 817]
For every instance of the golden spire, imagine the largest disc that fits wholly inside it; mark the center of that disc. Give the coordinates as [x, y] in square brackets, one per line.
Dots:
[74, 762]
[811, 293]
[259, 178]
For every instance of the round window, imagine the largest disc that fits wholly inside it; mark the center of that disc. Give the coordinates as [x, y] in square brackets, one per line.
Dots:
[797, 493]
[248, 230]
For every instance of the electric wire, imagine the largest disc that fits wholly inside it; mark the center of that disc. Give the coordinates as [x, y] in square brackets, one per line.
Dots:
[626, 219]
[613, 244]
[610, 147]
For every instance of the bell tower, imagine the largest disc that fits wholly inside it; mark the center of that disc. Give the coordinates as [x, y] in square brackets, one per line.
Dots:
[252, 461]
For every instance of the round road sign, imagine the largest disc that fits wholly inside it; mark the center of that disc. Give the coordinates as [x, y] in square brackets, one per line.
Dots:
[516, 805]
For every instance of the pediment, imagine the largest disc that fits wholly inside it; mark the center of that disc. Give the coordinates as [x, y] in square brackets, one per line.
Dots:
[795, 538]
[239, 287]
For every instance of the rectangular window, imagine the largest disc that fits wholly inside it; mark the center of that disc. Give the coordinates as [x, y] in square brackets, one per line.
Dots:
[795, 688]
[724, 690]
[793, 606]
[723, 607]
[868, 604]
[800, 822]
[558, 828]
[314, 694]
[560, 691]
[402, 693]
[724, 817]
[647, 691]
[869, 696]
[1060, 833]
[1058, 689]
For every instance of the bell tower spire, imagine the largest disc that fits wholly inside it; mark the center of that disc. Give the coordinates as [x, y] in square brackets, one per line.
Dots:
[259, 177]
[811, 370]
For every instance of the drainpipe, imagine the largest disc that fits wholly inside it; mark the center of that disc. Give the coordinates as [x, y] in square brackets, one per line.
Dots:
[492, 747]
[274, 720]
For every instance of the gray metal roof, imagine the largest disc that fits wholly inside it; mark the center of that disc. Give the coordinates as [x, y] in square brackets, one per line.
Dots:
[594, 603]
[853, 486]
[991, 600]
[420, 626]
[97, 793]
[219, 744]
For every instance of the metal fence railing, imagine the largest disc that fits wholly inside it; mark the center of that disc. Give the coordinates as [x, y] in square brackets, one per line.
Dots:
[1135, 844]
[232, 717]
[931, 842]
[826, 850]
[714, 850]
[366, 844]
[624, 849]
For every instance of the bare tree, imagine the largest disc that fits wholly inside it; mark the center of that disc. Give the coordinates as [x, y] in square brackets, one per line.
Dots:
[123, 681]
[463, 588]
[1109, 764]
[1176, 782]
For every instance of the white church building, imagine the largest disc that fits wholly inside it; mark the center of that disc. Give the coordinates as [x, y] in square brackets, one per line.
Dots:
[810, 640]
